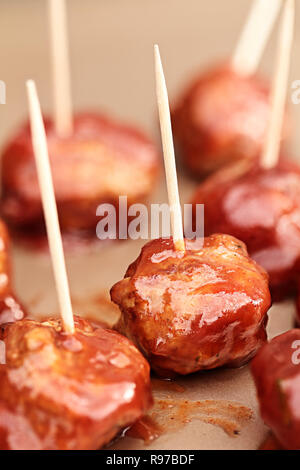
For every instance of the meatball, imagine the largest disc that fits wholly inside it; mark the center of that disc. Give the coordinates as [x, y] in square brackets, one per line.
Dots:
[261, 207]
[276, 372]
[10, 308]
[69, 392]
[201, 309]
[99, 162]
[222, 117]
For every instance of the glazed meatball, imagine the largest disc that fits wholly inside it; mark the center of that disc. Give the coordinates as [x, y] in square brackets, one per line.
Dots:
[10, 308]
[222, 117]
[297, 319]
[261, 207]
[99, 162]
[201, 309]
[69, 392]
[276, 371]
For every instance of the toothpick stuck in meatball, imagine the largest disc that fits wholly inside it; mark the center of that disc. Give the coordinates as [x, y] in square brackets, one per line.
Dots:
[194, 310]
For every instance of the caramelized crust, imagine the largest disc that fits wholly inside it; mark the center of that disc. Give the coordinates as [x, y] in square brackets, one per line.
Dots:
[199, 310]
[99, 162]
[221, 118]
[276, 371]
[262, 208]
[69, 392]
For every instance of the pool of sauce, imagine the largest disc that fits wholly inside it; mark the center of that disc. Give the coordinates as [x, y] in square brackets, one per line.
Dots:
[170, 413]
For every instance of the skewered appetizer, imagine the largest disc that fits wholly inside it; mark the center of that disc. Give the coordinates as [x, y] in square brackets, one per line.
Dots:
[94, 159]
[276, 371]
[10, 308]
[261, 207]
[194, 310]
[68, 392]
[221, 118]
[97, 163]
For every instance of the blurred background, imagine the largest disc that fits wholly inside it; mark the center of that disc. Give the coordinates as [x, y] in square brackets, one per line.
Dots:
[111, 47]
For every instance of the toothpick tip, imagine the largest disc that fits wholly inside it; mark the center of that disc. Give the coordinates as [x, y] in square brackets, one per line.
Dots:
[29, 83]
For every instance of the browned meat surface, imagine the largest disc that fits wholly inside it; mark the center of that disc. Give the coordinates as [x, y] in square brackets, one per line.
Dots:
[220, 118]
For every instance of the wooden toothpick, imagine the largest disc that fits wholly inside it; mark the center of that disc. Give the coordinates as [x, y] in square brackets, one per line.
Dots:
[169, 154]
[39, 142]
[279, 89]
[60, 68]
[255, 35]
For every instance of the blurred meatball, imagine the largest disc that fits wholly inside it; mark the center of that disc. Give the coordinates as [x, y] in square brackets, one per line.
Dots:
[222, 117]
[73, 392]
[10, 308]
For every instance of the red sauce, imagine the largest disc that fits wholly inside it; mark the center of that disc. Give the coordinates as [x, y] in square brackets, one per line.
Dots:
[271, 443]
[10, 310]
[221, 118]
[261, 207]
[35, 239]
[69, 392]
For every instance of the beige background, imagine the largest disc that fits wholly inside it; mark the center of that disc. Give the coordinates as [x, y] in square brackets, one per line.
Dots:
[111, 45]
[111, 50]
